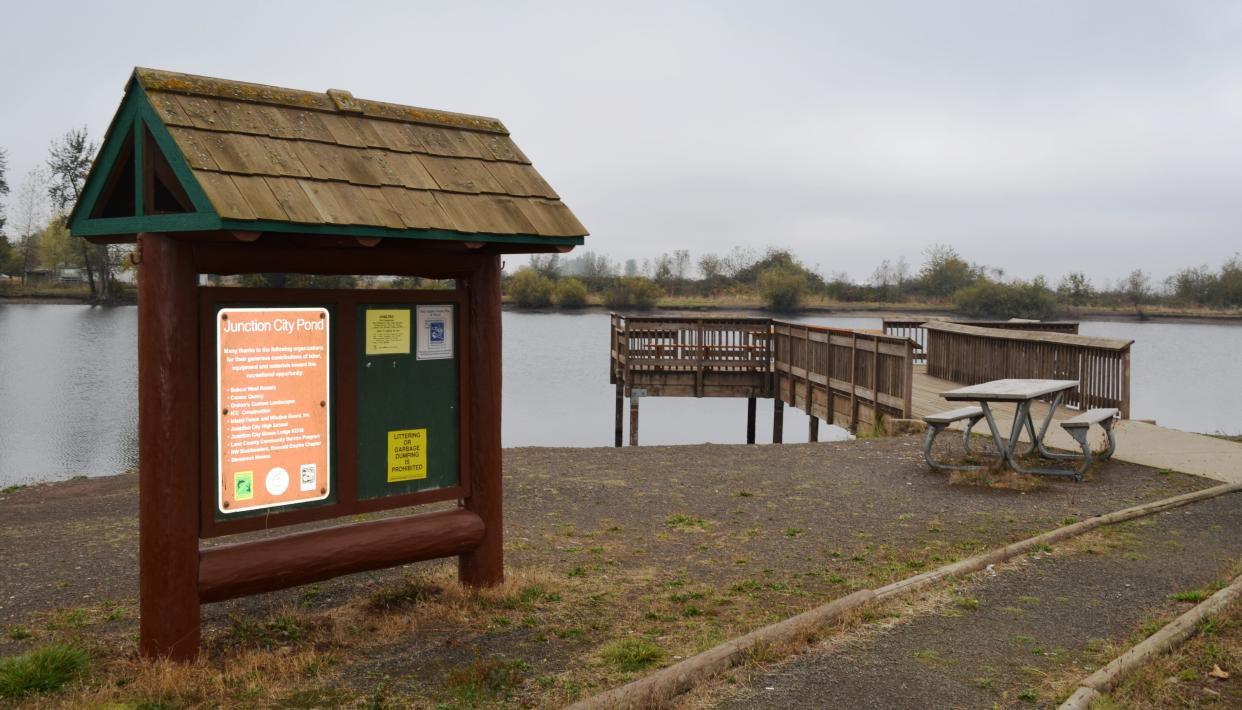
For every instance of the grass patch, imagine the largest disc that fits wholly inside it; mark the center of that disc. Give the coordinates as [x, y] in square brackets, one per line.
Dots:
[407, 592]
[685, 523]
[42, 670]
[485, 679]
[1193, 595]
[631, 654]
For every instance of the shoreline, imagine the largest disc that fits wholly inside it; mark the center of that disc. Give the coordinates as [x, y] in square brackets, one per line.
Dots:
[875, 310]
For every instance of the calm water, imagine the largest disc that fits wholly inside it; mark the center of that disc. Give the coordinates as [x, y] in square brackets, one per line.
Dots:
[68, 382]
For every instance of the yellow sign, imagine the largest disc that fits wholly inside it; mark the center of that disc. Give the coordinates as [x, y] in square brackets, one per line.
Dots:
[407, 453]
[388, 332]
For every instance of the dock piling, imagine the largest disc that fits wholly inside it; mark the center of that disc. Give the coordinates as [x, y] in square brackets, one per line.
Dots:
[750, 420]
[633, 420]
[778, 420]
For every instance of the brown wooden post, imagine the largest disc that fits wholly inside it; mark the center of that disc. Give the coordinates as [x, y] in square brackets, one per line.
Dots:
[168, 473]
[778, 419]
[633, 419]
[1125, 384]
[620, 423]
[907, 383]
[813, 433]
[750, 420]
[854, 381]
[485, 565]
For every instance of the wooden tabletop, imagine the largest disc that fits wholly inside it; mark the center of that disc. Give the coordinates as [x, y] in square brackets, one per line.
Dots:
[1008, 390]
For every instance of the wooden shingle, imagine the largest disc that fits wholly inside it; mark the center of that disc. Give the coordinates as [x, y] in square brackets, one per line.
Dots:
[283, 155]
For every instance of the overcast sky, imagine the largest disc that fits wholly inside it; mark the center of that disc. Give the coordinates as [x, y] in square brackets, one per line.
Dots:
[1041, 137]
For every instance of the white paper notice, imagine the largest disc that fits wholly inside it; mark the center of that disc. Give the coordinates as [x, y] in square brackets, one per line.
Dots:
[435, 332]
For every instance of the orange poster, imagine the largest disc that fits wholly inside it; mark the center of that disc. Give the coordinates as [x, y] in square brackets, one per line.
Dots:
[272, 392]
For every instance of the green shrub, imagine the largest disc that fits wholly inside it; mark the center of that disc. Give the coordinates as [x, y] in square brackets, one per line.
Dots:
[782, 288]
[530, 290]
[41, 670]
[571, 293]
[633, 292]
[1020, 299]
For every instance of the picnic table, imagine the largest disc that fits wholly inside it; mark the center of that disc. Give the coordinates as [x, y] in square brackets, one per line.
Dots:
[1021, 393]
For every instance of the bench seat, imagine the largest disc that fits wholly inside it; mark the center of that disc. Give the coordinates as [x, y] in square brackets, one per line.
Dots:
[1089, 417]
[954, 415]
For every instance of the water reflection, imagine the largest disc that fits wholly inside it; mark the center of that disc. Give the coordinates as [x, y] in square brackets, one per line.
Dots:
[68, 386]
[68, 383]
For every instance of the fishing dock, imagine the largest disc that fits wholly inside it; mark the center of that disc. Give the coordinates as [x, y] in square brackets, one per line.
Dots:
[859, 378]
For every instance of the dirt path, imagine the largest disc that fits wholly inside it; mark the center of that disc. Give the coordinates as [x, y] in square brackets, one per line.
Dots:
[1023, 636]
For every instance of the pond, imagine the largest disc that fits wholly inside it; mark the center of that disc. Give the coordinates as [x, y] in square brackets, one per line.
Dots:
[68, 385]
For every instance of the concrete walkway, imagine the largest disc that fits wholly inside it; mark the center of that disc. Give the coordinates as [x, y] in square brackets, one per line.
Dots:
[1137, 442]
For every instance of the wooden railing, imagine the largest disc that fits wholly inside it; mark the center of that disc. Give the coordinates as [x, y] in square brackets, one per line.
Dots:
[837, 374]
[831, 373]
[970, 354]
[692, 357]
[913, 329]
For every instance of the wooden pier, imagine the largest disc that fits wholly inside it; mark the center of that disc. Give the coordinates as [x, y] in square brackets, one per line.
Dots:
[845, 377]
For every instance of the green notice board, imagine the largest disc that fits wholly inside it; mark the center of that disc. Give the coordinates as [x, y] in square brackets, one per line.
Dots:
[407, 398]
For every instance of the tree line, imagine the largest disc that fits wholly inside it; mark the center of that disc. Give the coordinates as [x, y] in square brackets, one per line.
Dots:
[783, 283]
[34, 229]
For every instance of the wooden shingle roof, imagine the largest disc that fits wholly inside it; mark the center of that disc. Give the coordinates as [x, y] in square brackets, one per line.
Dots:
[269, 155]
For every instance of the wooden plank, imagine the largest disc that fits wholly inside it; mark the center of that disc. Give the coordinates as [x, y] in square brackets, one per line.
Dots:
[260, 197]
[194, 148]
[323, 197]
[409, 170]
[520, 180]
[281, 158]
[383, 209]
[342, 130]
[293, 200]
[1031, 336]
[224, 195]
[461, 175]
[419, 209]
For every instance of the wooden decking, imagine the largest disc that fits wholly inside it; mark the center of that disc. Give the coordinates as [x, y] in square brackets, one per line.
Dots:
[1137, 442]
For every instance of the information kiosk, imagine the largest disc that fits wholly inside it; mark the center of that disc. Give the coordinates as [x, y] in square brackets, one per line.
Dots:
[267, 407]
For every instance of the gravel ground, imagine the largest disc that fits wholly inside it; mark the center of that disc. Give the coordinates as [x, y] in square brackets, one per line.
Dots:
[1015, 639]
[683, 545]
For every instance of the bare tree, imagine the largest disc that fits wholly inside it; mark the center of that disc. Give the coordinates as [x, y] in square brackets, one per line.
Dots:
[548, 265]
[69, 160]
[4, 186]
[31, 216]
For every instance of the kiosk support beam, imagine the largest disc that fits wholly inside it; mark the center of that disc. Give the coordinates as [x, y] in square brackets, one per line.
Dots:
[168, 426]
[484, 566]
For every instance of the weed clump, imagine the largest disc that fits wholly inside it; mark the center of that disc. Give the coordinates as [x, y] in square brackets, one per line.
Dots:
[631, 654]
[408, 592]
[42, 670]
[485, 679]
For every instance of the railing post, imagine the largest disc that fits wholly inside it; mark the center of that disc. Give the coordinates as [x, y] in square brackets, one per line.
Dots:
[1125, 383]
[908, 384]
[854, 381]
[813, 429]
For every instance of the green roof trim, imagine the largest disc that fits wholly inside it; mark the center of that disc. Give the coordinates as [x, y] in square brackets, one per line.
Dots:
[134, 115]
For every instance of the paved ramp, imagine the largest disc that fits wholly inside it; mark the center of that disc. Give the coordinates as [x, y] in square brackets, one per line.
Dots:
[1137, 442]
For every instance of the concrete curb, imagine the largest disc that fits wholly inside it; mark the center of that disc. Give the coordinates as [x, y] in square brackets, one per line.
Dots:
[660, 687]
[1177, 631]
